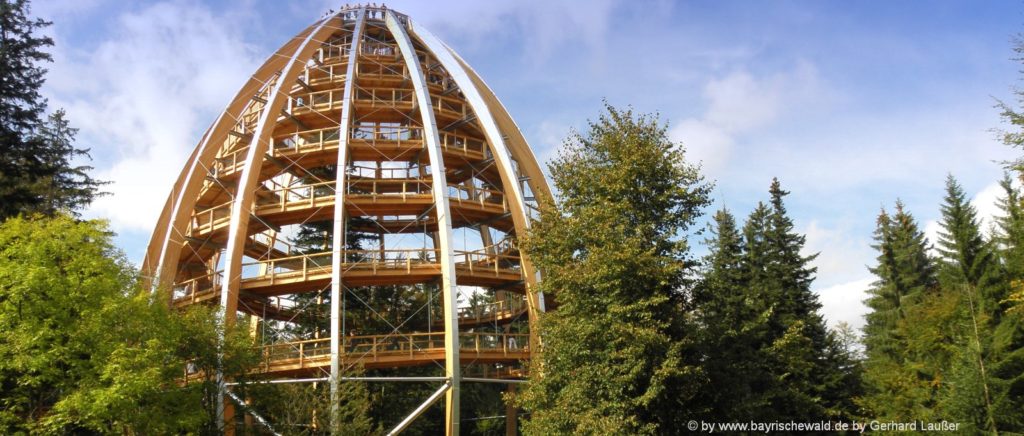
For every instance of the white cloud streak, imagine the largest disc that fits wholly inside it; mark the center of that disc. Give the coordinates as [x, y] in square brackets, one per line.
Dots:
[845, 303]
[143, 97]
[739, 104]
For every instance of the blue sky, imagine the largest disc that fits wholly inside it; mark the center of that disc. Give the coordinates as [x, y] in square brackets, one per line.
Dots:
[850, 104]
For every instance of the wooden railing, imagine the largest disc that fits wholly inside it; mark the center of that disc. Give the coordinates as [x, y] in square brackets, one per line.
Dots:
[396, 134]
[495, 311]
[471, 194]
[465, 144]
[315, 194]
[478, 262]
[384, 96]
[488, 260]
[450, 105]
[315, 101]
[204, 221]
[316, 140]
[306, 141]
[309, 264]
[373, 48]
[273, 243]
[376, 346]
[389, 187]
[189, 291]
[365, 172]
[322, 194]
[395, 71]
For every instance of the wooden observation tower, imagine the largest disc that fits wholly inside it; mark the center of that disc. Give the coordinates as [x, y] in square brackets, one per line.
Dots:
[367, 130]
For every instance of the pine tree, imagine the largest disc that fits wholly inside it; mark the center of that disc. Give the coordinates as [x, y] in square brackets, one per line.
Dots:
[815, 377]
[968, 259]
[616, 354]
[733, 325]
[898, 383]
[36, 155]
[904, 273]
[1007, 367]
[969, 270]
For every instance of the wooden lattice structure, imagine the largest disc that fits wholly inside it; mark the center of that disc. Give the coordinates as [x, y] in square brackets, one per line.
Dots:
[420, 152]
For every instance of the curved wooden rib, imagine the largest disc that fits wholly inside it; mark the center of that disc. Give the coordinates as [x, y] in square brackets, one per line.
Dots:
[240, 207]
[164, 250]
[509, 177]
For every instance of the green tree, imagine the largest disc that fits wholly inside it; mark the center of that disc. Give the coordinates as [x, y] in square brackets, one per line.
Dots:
[1008, 336]
[813, 376]
[967, 258]
[614, 256]
[969, 270]
[904, 273]
[898, 383]
[84, 351]
[734, 324]
[37, 173]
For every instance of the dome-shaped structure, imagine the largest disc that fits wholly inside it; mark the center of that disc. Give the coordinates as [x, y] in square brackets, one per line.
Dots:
[364, 153]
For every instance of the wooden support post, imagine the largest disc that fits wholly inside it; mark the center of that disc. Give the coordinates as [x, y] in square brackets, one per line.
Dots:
[511, 415]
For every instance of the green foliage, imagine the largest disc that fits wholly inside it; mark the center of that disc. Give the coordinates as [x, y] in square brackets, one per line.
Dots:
[734, 324]
[36, 170]
[809, 375]
[84, 351]
[947, 349]
[897, 390]
[615, 351]
[304, 408]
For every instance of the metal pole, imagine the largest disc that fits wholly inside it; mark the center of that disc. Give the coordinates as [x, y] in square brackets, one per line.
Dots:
[339, 237]
[419, 410]
[255, 415]
[444, 224]
[364, 379]
[493, 380]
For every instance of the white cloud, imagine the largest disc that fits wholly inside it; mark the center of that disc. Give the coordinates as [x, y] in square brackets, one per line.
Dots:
[842, 257]
[705, 142]
[985, 202]
[845, 302]
[543, 27]
[143, 96]
[740, 103]
[931, 231]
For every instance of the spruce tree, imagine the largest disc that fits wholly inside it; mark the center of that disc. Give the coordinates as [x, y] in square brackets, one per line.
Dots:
[1007, 367]
[969, 270]
[732, 328]
[1010, 229]
[967, 258]
[898, 383]
[616, 356]
[815, 377]
[904, 273]
[37, 173]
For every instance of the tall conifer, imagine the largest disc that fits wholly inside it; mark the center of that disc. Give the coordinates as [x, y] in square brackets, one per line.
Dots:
[37, 173]
[898, 384]
[733, 328]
